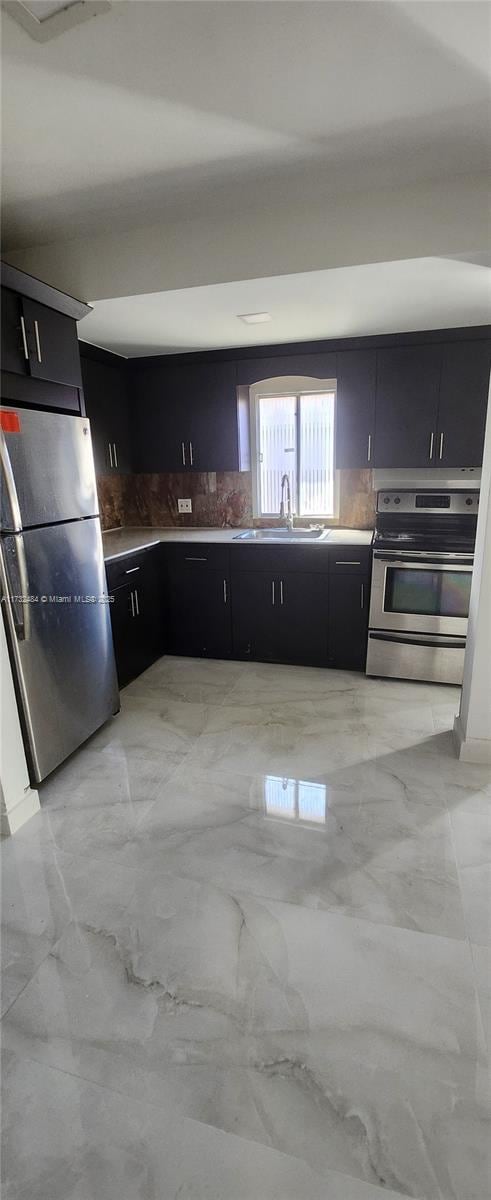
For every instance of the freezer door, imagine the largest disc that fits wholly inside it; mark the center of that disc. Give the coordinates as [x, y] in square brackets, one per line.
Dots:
[58, 621]
[49, 458]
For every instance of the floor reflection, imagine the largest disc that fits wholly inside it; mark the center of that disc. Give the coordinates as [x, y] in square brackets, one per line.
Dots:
[295, 800]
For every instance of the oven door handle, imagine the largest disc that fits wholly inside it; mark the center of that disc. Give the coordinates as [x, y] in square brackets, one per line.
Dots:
[446, 643]
[433, 562]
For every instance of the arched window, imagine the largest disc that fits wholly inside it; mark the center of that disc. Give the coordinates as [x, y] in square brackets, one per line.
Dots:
[292, 433]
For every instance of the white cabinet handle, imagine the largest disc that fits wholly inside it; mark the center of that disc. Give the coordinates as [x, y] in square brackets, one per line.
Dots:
[430, 451]
[136, 604]
[115, 454]
[38, 343]
[362, 595]
[281, 591]
[24, 338]
[183, 454]
[272, 591]
[191, 458]
[441, 445]
[348, 562]
[369, 448]
[132, 604]
[225, 591]
[111, 464]
[131, 570]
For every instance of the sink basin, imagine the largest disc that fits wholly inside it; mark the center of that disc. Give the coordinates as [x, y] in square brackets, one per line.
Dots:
[283, 535]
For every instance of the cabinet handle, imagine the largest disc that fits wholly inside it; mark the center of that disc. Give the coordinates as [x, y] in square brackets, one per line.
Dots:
[190, 558]
[131, 570]
[132, 604]
[272, 591]
[24, 339]
[191, 458]
[225, 591]
[115, 454]
[347, 562]
[430, 451]
[369, 448]
[38, 343]
[183, 454]
[441, 446]
[362, 595]
[110, 455]
[136, 604]
[281, 591]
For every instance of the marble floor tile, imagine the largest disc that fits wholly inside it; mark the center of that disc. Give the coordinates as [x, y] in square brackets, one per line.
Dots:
[352, 1046]
[246, 948]
[84, 1142]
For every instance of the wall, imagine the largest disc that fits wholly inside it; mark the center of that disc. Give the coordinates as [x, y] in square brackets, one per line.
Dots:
[220, 499]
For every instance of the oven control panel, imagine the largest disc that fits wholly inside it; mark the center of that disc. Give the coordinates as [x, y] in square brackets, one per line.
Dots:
[425, 501]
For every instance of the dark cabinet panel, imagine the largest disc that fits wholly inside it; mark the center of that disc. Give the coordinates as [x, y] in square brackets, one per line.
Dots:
[107, 407]
[355, 408]
[52, 344]
[122, 620]
[302, 612]
[198, 610]
[348, 620]
[15, 355]
[137, 617]
[315, 365]
[280, 618]
[187, 417]
[408, 382]
[463, 403]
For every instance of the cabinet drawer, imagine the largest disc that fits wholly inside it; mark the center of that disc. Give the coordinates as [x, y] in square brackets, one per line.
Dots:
[197, 554]
[128, 569]
[276, 559]
[348, 560]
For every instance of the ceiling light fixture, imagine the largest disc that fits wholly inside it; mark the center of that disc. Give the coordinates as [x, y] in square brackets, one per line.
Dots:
[46, 19]
[254, 318]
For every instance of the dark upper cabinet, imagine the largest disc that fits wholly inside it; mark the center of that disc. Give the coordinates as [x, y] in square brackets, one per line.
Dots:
[348, 620]
[15, 353]
[107, 407]
[39, 349]
[355, 408]
[280, 617]
[52, 344]
[187, 416]
[315, 365]
[463, 403]
[408, 384]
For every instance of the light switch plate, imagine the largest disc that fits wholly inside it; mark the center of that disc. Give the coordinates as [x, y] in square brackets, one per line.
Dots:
[184, 506]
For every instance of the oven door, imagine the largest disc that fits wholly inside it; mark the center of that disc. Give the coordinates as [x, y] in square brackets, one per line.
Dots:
[421, 593]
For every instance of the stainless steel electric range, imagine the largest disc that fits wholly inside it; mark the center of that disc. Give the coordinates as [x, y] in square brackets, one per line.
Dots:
[423, 554]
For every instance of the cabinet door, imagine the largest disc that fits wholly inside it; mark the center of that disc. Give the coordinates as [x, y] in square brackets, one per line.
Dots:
[254, 615]
[408, 380]
[52, 343]
[123, 627]
[106, 402]
[162, 432]
[212, 394]
[14, 357]
[302, 618]
[463, 403]
[348, 621]
[355, 408]
[198, 610]
[187, 417]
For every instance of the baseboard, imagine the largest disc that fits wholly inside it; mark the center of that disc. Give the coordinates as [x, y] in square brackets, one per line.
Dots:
[17, 816]
[476, 750]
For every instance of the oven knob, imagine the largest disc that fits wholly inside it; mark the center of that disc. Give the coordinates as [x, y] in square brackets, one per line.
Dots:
[386, 499]
[397, 499]
[469, 500]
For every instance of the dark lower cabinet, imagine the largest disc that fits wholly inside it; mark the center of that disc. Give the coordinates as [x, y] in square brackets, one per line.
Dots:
[280, 618]
[198, 611]
[349, 596]
[137, 616]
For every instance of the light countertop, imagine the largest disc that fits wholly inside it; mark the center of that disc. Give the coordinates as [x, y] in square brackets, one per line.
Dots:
[118, 542]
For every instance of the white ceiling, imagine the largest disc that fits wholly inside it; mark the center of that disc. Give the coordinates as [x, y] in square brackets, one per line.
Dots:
[425, 293]
[156, 108]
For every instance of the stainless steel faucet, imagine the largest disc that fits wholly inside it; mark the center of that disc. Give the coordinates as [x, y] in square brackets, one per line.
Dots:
[289, 514]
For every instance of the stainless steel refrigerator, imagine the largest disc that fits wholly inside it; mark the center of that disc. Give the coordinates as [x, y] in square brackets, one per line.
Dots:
[53, 583]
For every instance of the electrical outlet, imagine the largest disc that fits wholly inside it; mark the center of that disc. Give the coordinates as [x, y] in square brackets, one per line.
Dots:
[184, 506]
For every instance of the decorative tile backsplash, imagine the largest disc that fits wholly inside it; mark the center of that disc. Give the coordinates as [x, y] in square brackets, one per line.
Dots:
[219, 498]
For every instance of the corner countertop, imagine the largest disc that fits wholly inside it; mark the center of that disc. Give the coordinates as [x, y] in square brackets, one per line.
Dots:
[129, 539]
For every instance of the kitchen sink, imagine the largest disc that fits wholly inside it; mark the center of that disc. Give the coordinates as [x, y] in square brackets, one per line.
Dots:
[283, 535]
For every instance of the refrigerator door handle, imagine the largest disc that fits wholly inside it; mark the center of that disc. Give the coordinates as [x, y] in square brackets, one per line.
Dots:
[21, 629]
[9, 484]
